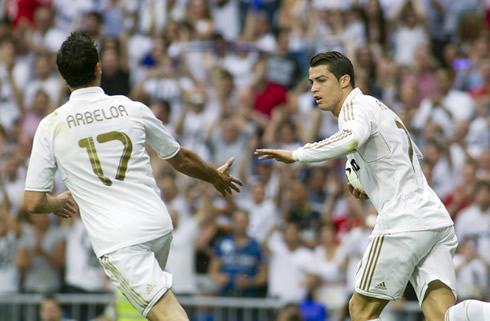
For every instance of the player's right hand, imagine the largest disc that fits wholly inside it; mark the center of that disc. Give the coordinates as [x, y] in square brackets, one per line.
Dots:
[226, 183]
[357, 192]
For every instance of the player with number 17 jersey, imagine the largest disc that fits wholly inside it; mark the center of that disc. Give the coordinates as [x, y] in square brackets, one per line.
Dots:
[98, 144]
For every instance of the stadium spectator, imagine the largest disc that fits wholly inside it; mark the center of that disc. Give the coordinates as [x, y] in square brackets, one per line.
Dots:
[460, 197]
[410, 33]
[329, 270]
[173, 196]
[46, 37]
[9, 234]
[13, 76]
[39, 109]
[13, 176]
[274, 75]
[473, 222]
[181, 261]
[471, 271]
[290, 312]
[44, 80]
[238, 264]
[288, 260]
[41, 256]
[301, 211]
[445, 106]
[262, 212]
[115, 66]
[225, 16]
[50, 310]
[83, 273]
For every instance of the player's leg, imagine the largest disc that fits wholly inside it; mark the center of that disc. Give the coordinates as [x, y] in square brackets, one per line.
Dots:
[469, 310]
[167, 309]
[438, 298]
[137, 273]
[434, 278]
[383, 273]
[362, 308]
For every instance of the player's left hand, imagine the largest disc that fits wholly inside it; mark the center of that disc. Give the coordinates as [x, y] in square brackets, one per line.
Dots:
[227, 183]
[281, 155]
[69, 207]
[357, 192]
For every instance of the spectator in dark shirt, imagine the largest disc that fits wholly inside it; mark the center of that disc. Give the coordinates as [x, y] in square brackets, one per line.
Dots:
[238, 264]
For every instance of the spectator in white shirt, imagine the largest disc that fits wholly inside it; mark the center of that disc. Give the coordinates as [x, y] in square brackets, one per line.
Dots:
[263, 213]
[329, 270]
[289, 264]
[446, 106]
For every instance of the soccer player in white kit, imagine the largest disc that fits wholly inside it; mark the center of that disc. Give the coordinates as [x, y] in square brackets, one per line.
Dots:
[97, 142]
[413, 239]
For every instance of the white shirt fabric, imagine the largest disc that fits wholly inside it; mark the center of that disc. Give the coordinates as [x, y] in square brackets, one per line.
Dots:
[126, 208]
[406, 41]
[9, 111]
[82, 268]
[261, 217]
[331, 290]
[288, 270]
[52, 40]
[181, 257]
[226, 20]
[51, 86]
[474, 223]
[459, 103]
[374, 137]
[8, 265]
[472, 276]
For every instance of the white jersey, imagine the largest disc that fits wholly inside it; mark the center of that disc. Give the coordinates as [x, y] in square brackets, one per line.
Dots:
[385, 158]
[98, 144]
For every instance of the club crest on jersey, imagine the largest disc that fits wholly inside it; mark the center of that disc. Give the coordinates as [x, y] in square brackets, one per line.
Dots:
[96, 115]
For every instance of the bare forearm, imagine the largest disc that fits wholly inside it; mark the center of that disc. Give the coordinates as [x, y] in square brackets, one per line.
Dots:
[41, 203]
[192, 165]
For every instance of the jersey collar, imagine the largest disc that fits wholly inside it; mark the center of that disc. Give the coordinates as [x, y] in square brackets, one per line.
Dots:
[86, 91]
[351, 96]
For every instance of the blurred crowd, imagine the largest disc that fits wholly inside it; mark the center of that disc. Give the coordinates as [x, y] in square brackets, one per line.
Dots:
[227, 77]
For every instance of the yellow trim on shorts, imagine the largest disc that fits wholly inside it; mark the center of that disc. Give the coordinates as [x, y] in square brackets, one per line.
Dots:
[375, 262]
[367, 262]
[124, 283]
[371, 263]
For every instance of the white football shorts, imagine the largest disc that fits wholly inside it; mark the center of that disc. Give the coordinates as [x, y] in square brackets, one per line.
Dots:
[391, 260]
[137, 271]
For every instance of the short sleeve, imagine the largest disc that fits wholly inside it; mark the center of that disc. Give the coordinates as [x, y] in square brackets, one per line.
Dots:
[42, 164]
[157, 136]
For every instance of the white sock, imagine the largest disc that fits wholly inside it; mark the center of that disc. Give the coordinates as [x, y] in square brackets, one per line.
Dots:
[469, 310]
[378, 319]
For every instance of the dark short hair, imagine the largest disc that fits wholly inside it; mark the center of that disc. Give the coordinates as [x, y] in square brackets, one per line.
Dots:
[76, 60]
[337, 64]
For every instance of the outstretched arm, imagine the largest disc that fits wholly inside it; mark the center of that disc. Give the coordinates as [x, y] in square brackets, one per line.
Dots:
[189, 163]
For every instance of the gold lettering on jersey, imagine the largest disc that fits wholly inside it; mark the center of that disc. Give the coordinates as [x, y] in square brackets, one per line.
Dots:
[88, 117]
[79, 118]
[122, 110]
[71, 121]
[105, 116]
[97, 115]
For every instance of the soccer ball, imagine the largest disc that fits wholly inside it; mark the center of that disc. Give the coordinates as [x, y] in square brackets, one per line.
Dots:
[352, 177]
